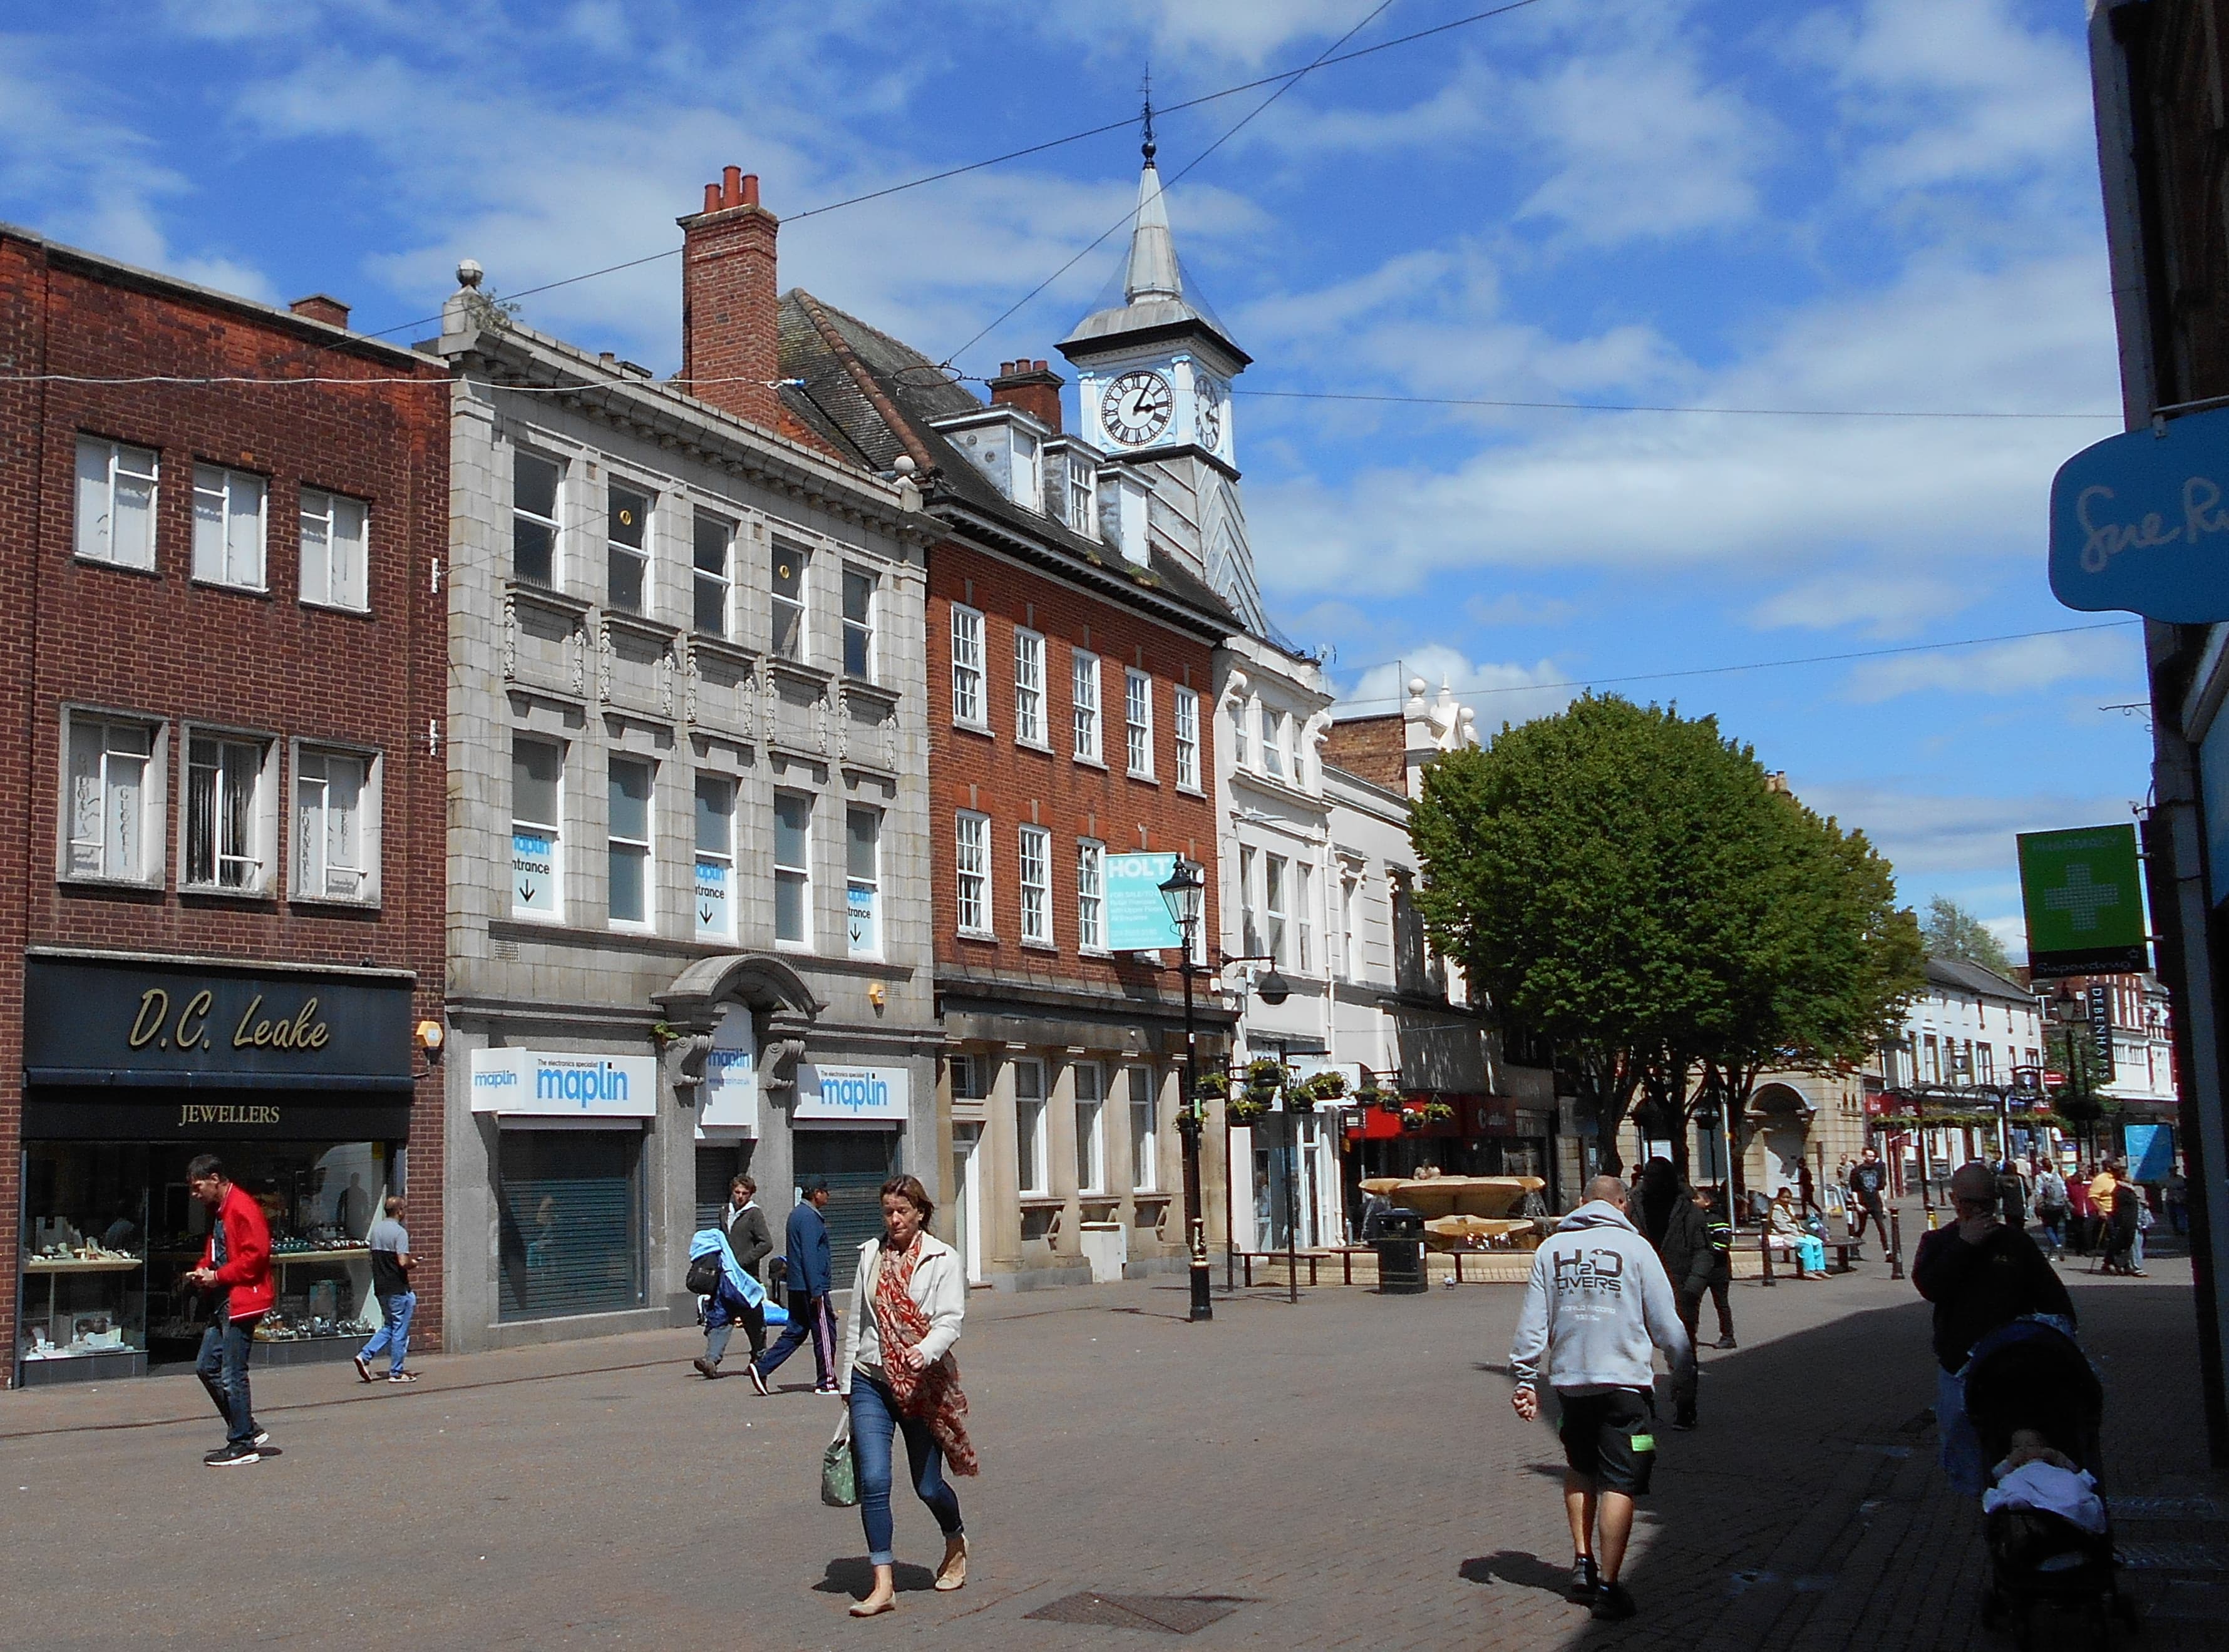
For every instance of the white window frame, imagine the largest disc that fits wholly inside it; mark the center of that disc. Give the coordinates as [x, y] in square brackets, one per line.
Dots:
[778, 605]
[971, 885]
[1242, 743]
[643, 848]
[1350, 899]
[869, 884]
[1184, 705]
[555, 829]
[968, 670]
[1083, 497]
[1138, 722]
[1276, 900]
[213, 559]
[1145, 1130]
[721, 854]
[1033, 876]
[792, 874]
[555, 522]
[717, 582]
[1030, 689]
[1275, 758]
[1084, 683]
[154, 790]
[307, 756]
[1090, 1125]
[1090, 896]
[1031, 1146]
[1249, 923]
[321, 573]
[94, 534]
[261, 855]
[1304, 946]
[865, 628]
[617, 551]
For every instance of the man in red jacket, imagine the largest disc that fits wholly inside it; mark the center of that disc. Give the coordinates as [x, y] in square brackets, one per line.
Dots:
[236, 1268]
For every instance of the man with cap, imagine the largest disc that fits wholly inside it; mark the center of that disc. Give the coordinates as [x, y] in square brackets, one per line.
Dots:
[811, 1274]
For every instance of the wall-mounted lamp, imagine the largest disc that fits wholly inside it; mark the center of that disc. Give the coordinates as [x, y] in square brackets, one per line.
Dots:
[877, 995]
[430, 1039]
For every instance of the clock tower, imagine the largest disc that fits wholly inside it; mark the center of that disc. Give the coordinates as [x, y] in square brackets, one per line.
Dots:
[1154, 375]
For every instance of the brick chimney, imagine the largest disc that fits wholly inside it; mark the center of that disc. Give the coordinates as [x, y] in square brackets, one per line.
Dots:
[322, 306]
[729, 307]
[1033, 387]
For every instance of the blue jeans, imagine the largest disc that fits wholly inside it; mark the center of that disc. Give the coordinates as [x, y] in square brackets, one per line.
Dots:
[2054, 1218]
[1960, 1446]
[392, 1337]
[721, 1314]
[222, 1368]
[875, 1419]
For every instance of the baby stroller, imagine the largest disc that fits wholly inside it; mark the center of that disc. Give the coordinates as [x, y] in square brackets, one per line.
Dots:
[2029, 1385]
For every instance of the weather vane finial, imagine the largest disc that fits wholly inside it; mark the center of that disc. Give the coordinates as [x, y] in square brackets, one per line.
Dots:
[1148, 146]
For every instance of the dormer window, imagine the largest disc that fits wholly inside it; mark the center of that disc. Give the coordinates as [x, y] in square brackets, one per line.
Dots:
[1082, 497]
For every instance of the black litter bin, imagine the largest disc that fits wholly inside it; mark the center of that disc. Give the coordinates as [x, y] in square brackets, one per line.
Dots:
[1400, 1245]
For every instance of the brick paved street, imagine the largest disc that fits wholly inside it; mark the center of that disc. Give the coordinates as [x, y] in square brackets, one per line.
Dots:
[1348, 1470]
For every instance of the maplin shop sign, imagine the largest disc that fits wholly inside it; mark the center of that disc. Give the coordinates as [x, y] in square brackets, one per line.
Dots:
[548, 1084]
[97, 1022]
[2141, 522]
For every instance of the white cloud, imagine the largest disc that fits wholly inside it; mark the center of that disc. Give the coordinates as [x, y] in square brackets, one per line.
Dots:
[1521, 608]
[2002, 669]
[1887, 600]
[1934, 837]
[1498, 693]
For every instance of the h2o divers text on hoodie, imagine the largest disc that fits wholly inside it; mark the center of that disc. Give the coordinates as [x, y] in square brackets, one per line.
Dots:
[1598, 1307]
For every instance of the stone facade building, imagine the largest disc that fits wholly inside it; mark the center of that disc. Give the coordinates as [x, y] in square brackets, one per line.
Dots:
[222, 928]
[688, 923]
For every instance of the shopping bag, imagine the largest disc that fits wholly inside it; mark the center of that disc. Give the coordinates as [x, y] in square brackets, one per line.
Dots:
[840, 1478]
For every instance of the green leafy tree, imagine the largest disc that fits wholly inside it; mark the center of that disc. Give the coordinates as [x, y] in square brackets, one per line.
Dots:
[1625, 883]
[1951, 932]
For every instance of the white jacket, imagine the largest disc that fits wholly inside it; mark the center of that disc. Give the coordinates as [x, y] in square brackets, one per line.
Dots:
[1598, 1307]
[938, 1287]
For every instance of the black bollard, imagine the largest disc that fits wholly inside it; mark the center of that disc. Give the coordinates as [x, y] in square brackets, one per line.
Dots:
[1895, 1244]
[1764, 1250]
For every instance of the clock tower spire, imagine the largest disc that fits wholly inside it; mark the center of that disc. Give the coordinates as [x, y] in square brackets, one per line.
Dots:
[1153, 374]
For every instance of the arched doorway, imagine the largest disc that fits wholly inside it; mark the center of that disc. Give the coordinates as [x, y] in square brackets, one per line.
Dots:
[1779, 1120]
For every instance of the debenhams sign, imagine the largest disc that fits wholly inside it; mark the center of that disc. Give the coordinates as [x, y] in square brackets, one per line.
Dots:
[87, 1022]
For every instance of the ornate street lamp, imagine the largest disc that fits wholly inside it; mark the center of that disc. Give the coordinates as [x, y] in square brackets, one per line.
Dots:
[1185, 892]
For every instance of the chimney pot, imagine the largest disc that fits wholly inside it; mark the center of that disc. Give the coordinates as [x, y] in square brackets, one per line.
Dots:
[711, 197]
[1039, 364]
[731, 186]
[750, 188]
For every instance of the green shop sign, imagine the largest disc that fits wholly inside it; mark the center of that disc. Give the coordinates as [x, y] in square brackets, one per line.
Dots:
[2084, 900]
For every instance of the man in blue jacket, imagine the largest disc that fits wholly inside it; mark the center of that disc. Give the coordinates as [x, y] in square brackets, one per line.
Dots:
[811, 1275]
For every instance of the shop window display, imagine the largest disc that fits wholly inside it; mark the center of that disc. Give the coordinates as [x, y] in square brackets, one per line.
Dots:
[110, 1230]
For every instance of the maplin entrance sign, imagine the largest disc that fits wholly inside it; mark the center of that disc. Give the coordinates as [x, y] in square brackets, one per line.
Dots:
[2141, 522]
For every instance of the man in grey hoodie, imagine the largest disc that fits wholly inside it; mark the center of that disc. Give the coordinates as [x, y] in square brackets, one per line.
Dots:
[1596, 1307]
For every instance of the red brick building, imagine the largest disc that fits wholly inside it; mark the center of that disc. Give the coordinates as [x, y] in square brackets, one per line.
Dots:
[221, 912]
[1069, 665]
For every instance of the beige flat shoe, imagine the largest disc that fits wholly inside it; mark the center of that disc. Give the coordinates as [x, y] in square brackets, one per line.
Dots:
[953, 1574]
[872, 1608]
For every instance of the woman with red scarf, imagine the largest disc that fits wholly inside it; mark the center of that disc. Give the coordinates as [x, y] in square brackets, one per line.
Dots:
[898, 1376]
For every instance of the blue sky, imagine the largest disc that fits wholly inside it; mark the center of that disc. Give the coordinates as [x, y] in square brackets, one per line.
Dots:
[1884, 204]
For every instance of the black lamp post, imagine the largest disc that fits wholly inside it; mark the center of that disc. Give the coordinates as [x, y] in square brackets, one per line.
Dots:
[1185, 892]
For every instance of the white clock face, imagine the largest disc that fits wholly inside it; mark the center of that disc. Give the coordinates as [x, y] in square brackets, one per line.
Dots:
[1209, 416]
[1136, 408]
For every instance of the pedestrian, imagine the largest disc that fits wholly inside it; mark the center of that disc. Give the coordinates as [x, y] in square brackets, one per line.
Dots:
[2126, 1220]
[1585, 1322]
[810, 1275]
[2174, 1194]
[1672, 1215]
[2082, 1215]
[2012, 1194]
[1868, 1177]
[899, 1377]
[235, 1271]
[391, 1262]
[1807, 1190]
[2052, 1209]
[749, 1240]
[1980, 1274]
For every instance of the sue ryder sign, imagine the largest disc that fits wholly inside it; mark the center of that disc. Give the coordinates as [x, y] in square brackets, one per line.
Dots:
[2141, 522]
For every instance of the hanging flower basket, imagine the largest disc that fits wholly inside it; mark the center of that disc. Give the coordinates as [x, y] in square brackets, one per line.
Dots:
[1265, 1080]
[1387, 1102]
[1243, 1108]
[1214, 1086]
[1412, 1118]
[1299, 1099]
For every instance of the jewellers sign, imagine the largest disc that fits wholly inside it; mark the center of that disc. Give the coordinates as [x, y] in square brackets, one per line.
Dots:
[2141, 522]
[89, 1021]
[552, 1084]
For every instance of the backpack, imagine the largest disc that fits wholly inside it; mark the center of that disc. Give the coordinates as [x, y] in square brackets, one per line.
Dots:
[703, 1278]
